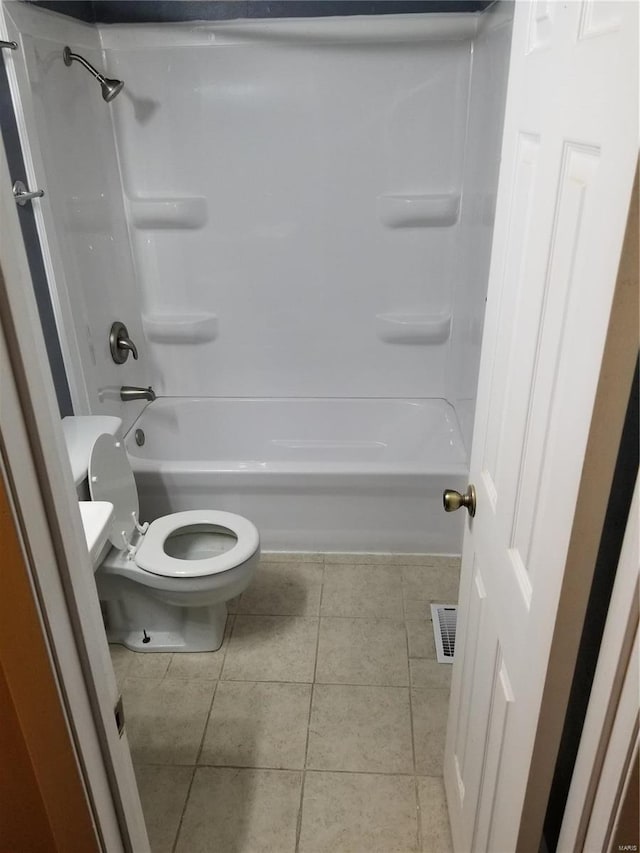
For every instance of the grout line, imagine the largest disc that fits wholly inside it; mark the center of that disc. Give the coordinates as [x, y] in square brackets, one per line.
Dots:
[306, 746]
[225, 644]
[376, 618]
[195, 767]
[397, 774]
[371, 618]
[418, 814]
[184, 808]
[452, 564]
[322, 683]
[413, 743]
[233, 618]
[428, 687]
[408, 775]
[206, 725]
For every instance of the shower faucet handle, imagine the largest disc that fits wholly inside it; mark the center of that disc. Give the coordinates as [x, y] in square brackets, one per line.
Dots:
[121, 344]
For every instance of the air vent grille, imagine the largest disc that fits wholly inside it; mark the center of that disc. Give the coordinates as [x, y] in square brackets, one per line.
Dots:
[445, 617]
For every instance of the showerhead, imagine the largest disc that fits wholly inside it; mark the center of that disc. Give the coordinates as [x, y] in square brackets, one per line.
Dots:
[110, 88]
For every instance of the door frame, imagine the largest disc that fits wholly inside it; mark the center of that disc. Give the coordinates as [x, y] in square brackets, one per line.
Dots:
[44, 800]
[606, 753]
[47, 513]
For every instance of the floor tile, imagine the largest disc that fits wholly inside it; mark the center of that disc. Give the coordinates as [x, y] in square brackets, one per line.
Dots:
[355, 813]
[432, 582]
[291, 557]
[353, 590]
[356, 558]
[165, 719]
[442, 561]
[430, 673]
[260, 724]
[365, 729]
[421, 640]
[121, 659]
[359, 791]
[204, 665]
[423, 585]
[362, 651]
[416, 608]
[434, 818]
[149, 664]
[163, 791]
[284, 589]
[429, 710]
[241, 811]
[271, 648]
[200, 665]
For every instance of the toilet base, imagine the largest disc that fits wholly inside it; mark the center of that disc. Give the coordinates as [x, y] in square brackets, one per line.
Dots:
[160, 641]
[164, 627]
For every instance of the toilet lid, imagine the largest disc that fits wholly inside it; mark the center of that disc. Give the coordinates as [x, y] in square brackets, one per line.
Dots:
[111, 479]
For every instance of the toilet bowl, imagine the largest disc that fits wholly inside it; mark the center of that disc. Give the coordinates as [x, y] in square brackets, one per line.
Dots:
[164, 586]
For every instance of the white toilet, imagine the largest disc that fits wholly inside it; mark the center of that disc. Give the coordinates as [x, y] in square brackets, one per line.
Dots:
[162, 586]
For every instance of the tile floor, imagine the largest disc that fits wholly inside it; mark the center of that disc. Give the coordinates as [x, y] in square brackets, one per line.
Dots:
[317, 727]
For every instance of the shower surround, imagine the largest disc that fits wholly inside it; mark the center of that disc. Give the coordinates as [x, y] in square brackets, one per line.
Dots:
[294, 219]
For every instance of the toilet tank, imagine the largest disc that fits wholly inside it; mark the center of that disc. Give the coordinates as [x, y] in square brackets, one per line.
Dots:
[80, 433]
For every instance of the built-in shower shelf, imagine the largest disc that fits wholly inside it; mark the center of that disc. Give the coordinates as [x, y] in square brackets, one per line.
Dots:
[419, 211]
[150, 214]
[413, 328]
[180, 328]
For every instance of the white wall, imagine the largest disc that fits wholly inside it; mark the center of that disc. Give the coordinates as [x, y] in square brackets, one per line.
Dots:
[67, 136]
[291, 191]
[258, 161]
[490, 66]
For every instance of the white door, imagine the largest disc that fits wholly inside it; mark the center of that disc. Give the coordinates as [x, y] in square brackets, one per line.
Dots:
[568, 158]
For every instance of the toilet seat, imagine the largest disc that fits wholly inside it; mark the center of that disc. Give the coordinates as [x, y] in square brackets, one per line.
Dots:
[152, 557]
[111, 479]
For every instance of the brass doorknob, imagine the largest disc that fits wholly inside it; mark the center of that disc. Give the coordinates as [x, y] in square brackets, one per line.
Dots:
[453, 500]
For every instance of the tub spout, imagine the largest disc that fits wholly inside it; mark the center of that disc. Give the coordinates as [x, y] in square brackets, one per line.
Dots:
[132, 392]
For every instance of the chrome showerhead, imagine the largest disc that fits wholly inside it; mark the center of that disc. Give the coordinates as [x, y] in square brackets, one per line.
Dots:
[110, 88]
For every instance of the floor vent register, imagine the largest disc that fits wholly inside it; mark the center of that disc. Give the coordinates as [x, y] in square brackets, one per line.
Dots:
[444, 617]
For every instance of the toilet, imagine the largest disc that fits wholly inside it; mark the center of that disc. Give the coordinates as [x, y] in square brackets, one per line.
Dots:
[163, 586]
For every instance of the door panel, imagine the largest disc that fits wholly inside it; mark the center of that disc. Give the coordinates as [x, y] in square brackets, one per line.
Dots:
[568, 161]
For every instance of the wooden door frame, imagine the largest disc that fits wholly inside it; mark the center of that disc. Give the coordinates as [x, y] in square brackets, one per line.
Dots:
[45, 770]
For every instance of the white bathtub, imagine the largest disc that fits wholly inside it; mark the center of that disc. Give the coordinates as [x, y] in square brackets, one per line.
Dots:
[361, 475]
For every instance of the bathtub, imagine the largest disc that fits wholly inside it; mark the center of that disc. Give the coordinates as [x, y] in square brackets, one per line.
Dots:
[363, 475]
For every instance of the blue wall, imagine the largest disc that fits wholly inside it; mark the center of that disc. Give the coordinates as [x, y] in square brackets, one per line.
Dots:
[147, 11]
